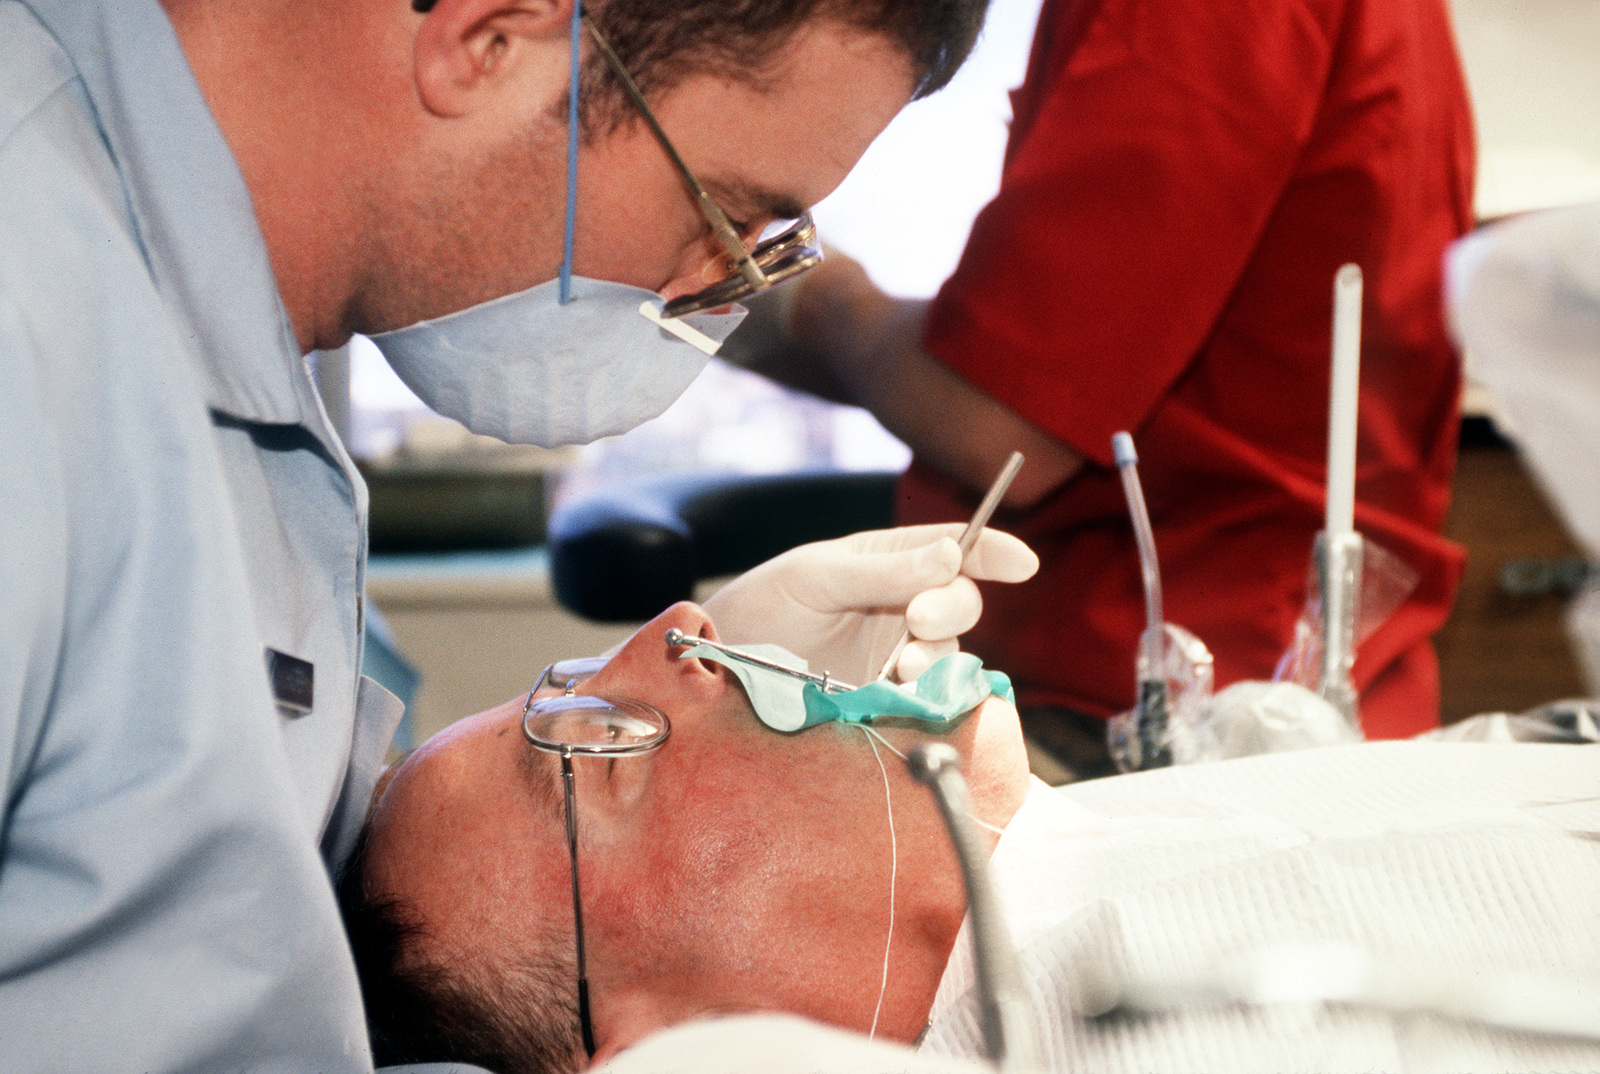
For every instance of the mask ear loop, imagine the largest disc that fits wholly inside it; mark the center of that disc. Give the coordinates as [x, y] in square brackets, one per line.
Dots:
[572, 156]
[894, 871]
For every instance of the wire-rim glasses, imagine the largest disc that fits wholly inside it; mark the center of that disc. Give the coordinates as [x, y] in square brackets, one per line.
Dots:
[571, 723]
[781, 257]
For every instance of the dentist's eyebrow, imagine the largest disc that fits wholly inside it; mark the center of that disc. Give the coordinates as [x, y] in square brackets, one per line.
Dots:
[743, 198]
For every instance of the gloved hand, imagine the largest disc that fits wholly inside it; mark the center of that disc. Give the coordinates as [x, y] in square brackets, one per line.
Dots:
[843, 604]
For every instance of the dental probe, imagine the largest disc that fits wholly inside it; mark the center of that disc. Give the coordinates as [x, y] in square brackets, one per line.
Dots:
[1154, 751]
[1007, 1025]
[826, 683]
[969, 537]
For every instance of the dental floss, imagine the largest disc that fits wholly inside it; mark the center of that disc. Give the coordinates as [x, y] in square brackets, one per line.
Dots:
[894, 872]
[969, 537]
[973, 817]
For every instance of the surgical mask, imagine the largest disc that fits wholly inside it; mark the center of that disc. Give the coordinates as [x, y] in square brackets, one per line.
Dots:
[528, 369]
[787, 697]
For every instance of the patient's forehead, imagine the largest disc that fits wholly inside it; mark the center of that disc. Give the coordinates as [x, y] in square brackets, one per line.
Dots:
[466, 827]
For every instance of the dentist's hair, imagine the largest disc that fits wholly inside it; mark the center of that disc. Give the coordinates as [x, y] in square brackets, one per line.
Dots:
[661, 42]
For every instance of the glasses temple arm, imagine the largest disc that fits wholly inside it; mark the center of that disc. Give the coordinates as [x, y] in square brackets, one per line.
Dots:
[720, 225]
[577, 911]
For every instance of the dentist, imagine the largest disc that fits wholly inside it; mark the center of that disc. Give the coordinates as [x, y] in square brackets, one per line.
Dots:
[196, 194]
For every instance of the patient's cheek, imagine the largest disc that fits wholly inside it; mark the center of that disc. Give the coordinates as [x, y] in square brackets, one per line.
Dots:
[997, 765]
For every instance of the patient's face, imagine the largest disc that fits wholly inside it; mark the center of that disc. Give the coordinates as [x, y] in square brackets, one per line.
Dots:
[733, 868]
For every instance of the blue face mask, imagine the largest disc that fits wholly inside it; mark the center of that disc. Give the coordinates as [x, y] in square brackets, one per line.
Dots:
[564, 362]
[787, 697]
[528, 369]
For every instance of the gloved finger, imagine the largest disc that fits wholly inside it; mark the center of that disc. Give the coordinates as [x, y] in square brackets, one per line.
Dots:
[999, 557]
[900, 537]
[995, 556]
[860, 580]
[918, 656]
[945, 612]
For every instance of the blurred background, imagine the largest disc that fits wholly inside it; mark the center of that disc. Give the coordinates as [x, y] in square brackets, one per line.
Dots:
[460, 568]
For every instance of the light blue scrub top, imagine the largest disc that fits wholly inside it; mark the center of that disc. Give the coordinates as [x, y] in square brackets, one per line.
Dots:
[172, 505]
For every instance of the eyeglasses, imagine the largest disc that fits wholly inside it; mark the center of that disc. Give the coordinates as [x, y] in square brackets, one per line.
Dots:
[571, 723]
[782, 257]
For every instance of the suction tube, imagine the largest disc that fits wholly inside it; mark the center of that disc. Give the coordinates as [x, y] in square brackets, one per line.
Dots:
[1007, 1024]
[1154, 750]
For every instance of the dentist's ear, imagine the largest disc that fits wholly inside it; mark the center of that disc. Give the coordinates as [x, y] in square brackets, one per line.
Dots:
[468, 54]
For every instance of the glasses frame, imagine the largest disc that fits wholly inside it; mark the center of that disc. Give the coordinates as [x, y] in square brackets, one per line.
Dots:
[567, 674]
[782, 257]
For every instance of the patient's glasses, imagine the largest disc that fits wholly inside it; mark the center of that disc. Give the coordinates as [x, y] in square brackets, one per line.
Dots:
[571, 723]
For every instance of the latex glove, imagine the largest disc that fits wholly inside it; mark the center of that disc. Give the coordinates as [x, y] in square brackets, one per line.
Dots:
[842, 604]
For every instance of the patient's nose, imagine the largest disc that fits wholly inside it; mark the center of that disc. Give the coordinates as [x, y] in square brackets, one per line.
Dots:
[648, 669]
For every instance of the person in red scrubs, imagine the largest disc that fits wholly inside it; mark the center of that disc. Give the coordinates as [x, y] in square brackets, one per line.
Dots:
[1182, 181]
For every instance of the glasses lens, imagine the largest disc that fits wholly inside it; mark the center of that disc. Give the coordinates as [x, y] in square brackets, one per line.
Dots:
[568, 673]
[781, 257]
[587, 724]
[783, 235]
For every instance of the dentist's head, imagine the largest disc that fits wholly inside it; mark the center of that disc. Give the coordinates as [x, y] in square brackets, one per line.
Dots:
[725, 867]
[409, 166]
[406, 164]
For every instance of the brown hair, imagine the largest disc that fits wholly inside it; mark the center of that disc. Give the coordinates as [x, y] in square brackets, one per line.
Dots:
[514, 1017]
[662, 41]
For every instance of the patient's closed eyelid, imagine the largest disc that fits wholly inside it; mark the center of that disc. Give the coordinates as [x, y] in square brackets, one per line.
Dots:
[617, 787]
[541, 773]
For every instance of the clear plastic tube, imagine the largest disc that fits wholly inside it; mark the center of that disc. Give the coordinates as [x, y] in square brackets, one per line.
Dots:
[1128, 467]
[1155, 751]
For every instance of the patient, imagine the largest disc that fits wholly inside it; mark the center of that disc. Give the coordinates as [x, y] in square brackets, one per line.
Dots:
[737, 870]
[732, 869]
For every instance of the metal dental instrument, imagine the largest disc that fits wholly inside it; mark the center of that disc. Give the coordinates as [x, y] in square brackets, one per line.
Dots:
[1154, 749]
[969, 537]
[1007, 1026]
[826, 683]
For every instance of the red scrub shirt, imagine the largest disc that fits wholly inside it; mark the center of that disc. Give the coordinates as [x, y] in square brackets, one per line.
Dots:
[1181, 183]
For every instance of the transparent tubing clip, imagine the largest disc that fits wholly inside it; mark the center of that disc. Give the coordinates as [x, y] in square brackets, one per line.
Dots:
[1007, 1018]
[1155, 746]
[1339, 578]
